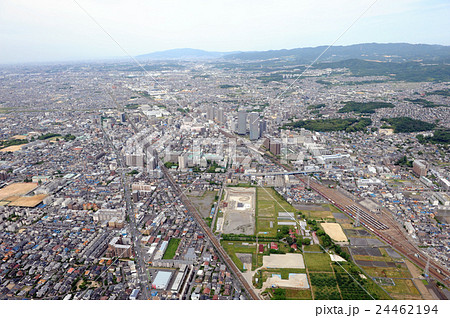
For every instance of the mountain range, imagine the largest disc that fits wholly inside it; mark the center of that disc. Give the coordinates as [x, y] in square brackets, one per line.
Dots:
[387, 52]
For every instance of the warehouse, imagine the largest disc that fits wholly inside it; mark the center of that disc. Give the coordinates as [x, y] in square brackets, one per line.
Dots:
[161, 280]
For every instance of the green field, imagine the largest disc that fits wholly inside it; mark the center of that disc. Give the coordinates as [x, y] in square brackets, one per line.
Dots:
[324, 286]
[312, 248]
[390, 272]
[171, 248]
[403, 289]
[268, 204]
[357, 290]
[298, 294]
[233, 247]
[317, 262]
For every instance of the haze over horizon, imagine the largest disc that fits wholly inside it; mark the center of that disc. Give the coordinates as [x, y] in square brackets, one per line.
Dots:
[53, 30]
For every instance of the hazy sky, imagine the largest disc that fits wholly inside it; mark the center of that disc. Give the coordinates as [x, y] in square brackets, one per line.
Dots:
[55, 30]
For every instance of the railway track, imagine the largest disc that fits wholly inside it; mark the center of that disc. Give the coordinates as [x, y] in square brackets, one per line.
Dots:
[193, 211]
[392, 235]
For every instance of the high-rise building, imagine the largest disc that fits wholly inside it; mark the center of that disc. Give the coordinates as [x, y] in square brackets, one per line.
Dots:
[182, 162]
[220, 116]
[210, 113]
[242, 122]
[253, 120]
[275, 148]
[262, 127]
[420, 168]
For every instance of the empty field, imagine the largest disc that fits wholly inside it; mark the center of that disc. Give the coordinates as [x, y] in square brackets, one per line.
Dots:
[391, 272]
[203, 203]
[171, 248]
[12, 148]
[239, 212]
[17, 189]
[403, 289]
[334, 230]
[283, 261]
[318, 262]
[233, 247]
[269, 204]
[298, 294]
[295, 280]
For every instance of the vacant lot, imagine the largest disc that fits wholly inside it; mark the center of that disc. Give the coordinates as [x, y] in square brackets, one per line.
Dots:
[204, 202]
[269, 204]
[12, 148]
[171, 248]
[295, 280]
[17, 189]
[334, 230]
[403, 289]
[236, 247]
[318, 262]
[239, 214]
[283, 261]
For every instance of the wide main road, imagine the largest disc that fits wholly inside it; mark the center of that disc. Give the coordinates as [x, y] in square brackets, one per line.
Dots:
[135, 234]
[193, 211]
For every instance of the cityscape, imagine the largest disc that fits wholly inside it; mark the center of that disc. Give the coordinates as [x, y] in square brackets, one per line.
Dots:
[226, 151]
[221, 181]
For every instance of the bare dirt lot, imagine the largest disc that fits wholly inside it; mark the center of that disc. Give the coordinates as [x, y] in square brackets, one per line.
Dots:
[283, 261]
[295, 281]
[334, 230]
[17, 189]
[12, 148]
[239, 214]
[28, 202]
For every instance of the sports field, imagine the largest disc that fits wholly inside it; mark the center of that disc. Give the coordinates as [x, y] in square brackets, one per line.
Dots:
[28, 202]
[17, 189]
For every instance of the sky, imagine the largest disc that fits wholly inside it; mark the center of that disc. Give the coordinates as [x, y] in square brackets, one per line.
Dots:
[59, 30]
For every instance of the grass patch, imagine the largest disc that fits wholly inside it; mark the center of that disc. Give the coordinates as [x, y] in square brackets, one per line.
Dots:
[391, 272]
[317, 262]
[233, 247]
[292, 294]
[312, 248]
[171, 248]
[402, 287]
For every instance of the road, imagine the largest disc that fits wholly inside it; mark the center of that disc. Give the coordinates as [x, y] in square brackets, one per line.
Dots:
[141, 267]
[223, 255]
[393, 235]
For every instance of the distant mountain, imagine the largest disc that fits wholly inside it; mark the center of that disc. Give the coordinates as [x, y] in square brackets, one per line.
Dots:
[391, 52]
[183, 54]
